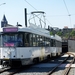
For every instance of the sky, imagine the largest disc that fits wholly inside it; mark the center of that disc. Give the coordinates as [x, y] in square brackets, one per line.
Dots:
[57, 14]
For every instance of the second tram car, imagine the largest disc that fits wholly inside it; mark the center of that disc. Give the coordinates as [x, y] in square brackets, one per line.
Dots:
[24, 46]
[56, 45]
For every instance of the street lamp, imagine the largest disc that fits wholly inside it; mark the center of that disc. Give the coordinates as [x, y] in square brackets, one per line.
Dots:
[2, 4]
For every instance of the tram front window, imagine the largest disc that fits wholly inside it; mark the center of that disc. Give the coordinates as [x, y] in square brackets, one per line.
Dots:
[12, 40]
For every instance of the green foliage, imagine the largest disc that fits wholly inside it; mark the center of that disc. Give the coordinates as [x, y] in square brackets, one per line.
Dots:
[67, 35]
[51, 33]
[59, 33]
[72, 33]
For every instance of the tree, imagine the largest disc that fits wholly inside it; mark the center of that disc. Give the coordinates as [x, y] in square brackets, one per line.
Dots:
[72, 34]
[51, 33]
[59, 33]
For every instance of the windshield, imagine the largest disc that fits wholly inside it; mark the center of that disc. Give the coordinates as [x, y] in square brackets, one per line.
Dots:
[12, 39]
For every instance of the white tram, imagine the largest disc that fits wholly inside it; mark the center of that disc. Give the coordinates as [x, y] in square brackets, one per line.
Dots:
[56, 45]
[23, 46]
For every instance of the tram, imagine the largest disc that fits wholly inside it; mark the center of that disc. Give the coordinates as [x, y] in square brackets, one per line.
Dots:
[24, 46]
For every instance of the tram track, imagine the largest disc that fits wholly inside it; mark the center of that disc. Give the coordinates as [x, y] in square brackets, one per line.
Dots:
[16, 71]
[66, 71]
[51, 72]
[12, 71]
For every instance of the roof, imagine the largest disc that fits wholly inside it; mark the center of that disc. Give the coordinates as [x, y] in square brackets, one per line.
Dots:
[4, 19]
[35, 30]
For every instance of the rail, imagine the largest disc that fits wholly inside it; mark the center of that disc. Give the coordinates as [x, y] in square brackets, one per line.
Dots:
[49, 73]
[66, 72]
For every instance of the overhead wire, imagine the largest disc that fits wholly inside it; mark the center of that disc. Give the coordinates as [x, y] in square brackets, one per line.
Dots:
[34, 8]
[66, 7]
[67, 11]
[30, 4]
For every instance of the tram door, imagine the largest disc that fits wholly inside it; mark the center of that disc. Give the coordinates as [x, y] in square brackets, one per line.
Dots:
[64, 46]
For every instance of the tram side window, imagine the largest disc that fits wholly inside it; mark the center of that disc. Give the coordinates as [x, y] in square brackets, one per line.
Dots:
[57, 43]
[34, 40]
[27, 40]
[19, 39]
[53, 44]
[43, 41]
[47, 42]
[37, 40]
[31, 40]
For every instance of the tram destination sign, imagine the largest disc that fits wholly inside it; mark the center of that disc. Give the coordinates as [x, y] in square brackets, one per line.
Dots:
[10, 29]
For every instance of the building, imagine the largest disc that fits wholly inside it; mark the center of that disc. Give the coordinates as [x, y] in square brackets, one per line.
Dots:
[4, 22]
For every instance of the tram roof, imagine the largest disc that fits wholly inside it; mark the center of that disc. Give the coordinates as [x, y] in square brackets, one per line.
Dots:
[29, 29]
[38, 31]
[34, 30]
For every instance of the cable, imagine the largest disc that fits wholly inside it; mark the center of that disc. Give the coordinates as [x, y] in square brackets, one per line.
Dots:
[66, 7]
[56, 15]
[30, 5]
[67, 11]
[35, 9]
